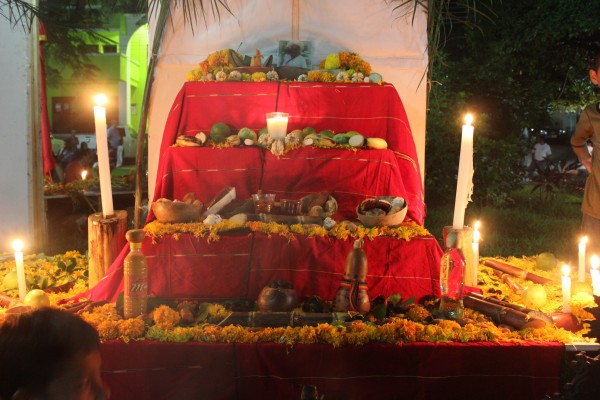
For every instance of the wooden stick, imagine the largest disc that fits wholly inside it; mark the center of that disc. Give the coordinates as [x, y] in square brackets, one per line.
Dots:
[530, 312]
[163, 15]
[510, 281]
[515, 271]
[281, 319]
[503, 315]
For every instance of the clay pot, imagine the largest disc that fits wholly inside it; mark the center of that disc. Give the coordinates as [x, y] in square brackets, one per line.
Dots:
[279, 296]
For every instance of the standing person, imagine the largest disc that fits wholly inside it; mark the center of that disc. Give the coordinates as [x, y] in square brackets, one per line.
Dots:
[539, 156]
[588, 128]
[49, 354]
[115, 144]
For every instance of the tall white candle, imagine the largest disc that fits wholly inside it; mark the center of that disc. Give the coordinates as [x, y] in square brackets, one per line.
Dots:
[476, 237]
[566, 289]
[102, 150]
[277, 124]
[22, 284]
[595, 261]
[582, 244]
[465, 171]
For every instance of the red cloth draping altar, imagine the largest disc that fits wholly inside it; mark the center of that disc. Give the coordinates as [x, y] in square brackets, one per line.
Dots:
[151, 370]
[349, 176]
[240, 265]
[374, 110]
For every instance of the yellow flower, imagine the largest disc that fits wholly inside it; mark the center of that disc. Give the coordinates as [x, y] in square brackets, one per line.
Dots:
[165, 317]
[418, 313]
[133, 328]
[259, 77]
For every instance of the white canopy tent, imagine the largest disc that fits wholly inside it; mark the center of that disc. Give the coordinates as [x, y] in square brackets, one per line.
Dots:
[394, 42]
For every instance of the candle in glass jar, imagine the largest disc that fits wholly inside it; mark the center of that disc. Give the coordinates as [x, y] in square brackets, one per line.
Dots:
[22, 284]
[465, 173]
[102, 150]
[277, 124]
[595, 261]
[566, 289]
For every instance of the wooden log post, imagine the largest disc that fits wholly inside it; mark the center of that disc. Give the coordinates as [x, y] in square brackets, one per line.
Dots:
[106, 238]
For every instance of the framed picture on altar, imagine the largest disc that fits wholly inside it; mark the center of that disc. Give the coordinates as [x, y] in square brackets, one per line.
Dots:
[295, 53]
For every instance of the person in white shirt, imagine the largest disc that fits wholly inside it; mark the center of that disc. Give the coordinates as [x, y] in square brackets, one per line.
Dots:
[540, 156]
[293, 57]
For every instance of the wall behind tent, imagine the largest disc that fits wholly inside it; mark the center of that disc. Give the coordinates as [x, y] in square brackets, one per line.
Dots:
[393, 43]
[15, 127]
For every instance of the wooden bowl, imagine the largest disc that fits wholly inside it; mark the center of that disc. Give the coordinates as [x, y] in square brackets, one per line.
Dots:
[391, 217]
[168, 211]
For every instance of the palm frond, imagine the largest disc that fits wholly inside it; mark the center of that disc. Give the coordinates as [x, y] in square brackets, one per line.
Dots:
[193, 10]
[18, 13]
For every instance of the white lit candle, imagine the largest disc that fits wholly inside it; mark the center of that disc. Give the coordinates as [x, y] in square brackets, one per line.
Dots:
[277, 124]
[18, 247]
[476, 237]
[582, 244]
[102, 149]
[566, 289]
[595, 261]
[465, 173]
[83, 175]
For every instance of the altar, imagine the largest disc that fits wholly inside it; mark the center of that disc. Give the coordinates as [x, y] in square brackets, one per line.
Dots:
[238, 266]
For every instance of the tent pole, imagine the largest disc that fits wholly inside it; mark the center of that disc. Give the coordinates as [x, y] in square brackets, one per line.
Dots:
[139, 156]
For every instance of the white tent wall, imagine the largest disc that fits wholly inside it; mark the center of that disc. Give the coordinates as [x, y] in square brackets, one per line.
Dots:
[17, 161]
[393, 42]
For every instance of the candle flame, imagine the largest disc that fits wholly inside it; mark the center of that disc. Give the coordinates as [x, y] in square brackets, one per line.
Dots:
[476, 237]
[476, 225]
[83, 175]
[468, 119]
[583, 240]
[101, 99]
[595, 261]
[18, 245]
[566, 270]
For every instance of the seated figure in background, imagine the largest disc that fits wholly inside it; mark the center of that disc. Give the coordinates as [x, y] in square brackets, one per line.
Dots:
[49, 354]
[81, 162]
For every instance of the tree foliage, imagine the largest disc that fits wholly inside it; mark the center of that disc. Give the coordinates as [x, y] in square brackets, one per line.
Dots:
[528, 59]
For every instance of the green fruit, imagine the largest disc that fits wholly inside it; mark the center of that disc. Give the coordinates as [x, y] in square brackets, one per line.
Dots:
[352, 133]
[308, 130]
[10, 280]
[219, 132]
[326, 132]
[341, 138]
[247, 133]
[535, 296]
[37, 298]
[545, 261]
[332, 61]
[263, 131]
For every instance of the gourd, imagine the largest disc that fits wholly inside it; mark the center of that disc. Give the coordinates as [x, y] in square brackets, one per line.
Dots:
[353, 293]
